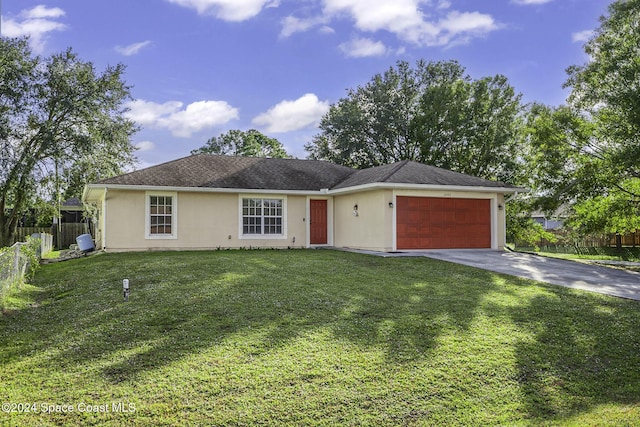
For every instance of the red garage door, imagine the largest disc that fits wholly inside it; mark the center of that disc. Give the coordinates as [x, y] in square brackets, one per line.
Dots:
[442, 223]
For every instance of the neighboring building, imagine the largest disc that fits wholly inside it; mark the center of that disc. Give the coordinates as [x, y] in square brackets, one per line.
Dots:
[207, 201]
[548, 223]
[71, 212]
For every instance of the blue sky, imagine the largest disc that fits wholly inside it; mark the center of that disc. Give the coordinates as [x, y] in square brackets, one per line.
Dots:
[199, 68]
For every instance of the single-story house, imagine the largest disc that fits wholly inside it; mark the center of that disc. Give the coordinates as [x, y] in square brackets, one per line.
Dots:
[208, 201]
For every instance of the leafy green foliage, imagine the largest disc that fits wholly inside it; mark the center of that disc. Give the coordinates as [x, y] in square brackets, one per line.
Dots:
[62, 125]
[587, 154]
[560, 159]
[251, 143]
[521, 229]
[31, 250]
[27, 262]
[608, 87]
[431, 113]
[611, 213]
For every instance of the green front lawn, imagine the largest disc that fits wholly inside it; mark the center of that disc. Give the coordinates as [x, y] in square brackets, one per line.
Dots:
[312, 338]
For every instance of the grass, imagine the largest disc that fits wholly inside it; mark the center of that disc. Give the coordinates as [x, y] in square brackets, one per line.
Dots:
[55, 254]
[591, 253]
[631, 254]
[312, 338]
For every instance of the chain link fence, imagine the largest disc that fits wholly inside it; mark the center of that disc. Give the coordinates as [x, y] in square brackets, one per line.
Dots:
[17, 260]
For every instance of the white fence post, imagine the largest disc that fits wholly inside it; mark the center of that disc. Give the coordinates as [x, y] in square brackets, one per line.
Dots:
[16, 258]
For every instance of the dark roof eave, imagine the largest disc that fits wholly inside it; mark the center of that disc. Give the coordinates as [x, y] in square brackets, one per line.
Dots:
[507, 189]
[337, 191]
[135, 187]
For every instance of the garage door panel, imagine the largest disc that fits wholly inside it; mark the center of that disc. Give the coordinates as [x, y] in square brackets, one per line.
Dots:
[439, 223]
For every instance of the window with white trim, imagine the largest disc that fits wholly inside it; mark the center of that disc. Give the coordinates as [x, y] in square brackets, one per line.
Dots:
[262, 216]
[161, 216]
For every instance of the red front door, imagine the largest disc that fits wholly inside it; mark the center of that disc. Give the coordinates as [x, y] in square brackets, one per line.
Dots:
[318, 222]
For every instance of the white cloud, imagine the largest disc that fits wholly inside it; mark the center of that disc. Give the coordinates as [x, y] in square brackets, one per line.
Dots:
[396, 16]
[457, 28]
[325, 29]
[359, 48]
[457, 22]
[228, 10]
[133, 48]
[529, 2]
[582, 36]
[420, 22]
[288, 116]
[145, 146]
[35, 23]
[147, 112]
[181, 122]
[291, 25]
[43, 12]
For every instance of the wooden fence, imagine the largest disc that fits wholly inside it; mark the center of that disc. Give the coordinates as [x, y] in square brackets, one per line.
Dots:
[626, 240]
[62, 240]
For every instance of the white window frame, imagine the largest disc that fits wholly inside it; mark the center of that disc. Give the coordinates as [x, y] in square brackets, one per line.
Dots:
[174, 215]
[262, 236]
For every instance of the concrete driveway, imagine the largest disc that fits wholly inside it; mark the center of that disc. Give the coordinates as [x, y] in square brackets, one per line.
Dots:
[571, 274]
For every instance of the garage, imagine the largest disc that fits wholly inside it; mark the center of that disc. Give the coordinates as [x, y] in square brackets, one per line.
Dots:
[442, 223]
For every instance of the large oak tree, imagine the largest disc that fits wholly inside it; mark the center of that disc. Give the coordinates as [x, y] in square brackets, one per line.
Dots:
[59, 119]
[607, 88]
[432, 113]
[587, 154]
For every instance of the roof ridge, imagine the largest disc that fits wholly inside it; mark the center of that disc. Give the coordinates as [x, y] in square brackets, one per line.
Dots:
[396, 167]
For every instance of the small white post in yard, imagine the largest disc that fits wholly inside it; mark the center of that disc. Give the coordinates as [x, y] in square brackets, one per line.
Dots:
[125, 288]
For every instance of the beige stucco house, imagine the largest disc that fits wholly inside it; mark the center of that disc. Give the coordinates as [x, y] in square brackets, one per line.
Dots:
[207, 201]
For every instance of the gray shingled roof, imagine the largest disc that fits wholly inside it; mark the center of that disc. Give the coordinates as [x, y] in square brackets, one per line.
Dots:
[212, 171]
[409, 172]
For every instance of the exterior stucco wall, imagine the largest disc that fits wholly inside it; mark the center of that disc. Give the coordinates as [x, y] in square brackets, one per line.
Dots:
[502, 222]
[372, 228]
[203, 221]
[212, 220]
[98, 220]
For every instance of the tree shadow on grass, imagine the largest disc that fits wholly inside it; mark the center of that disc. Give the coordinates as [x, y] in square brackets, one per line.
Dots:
[184, 303]
[585, 353]
[579, 350]
[408, 316]
[359, 299]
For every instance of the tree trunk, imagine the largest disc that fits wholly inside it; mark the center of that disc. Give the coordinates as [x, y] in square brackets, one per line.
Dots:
[8, 227]
[6, 234]
[619, 242]
[3, 225]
